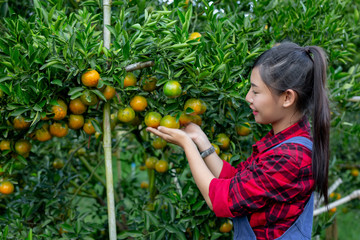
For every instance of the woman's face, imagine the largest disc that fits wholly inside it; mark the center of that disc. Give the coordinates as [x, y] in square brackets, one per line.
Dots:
[267, 107]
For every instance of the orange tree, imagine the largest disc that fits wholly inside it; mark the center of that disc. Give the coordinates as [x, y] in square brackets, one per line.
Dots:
[204, 80]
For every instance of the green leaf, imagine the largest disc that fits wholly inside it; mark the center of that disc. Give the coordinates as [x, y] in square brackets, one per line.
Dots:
[99, 94]
[75, 90]
[57, 82]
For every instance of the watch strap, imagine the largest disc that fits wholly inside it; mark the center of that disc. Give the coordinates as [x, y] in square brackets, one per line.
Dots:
[207, 152]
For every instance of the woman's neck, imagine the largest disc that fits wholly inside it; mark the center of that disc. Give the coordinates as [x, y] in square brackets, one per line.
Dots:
[286, 122]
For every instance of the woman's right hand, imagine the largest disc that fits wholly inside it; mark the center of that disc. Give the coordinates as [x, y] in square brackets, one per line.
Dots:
[198, 136]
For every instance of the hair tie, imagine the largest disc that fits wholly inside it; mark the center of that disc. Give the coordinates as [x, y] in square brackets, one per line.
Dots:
[308, 52]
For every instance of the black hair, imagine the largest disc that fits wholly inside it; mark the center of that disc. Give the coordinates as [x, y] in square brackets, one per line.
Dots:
[303, 69]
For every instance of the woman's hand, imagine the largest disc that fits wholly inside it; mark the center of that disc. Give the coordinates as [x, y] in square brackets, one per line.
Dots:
[198, 136]
[175, 136]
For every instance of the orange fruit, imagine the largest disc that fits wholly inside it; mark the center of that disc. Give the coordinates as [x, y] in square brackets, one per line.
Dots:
[60, 110]
[158, 143]
[226, 227]
[152, 119]
[338, 196]
[194, 104]
[76, 121]
[6, 187]
[59, 129]
[223, 140]
[332, 195]
[243, 130]
[144, 185]
[126, 114]
[90, 78]
[5, 145]
[88, 127]
[332, 210]
[77, 106]
[217, 149]
[185, 119]
[23, 147]
[58, 163]
[355, 172]
[226, 156]
[172, 89]
[43, 134]
[196, 119]
[150, 162]
[89, 98]
[169, 121]
[161, 166]
[138, 103]
[109, 92]
[148, 83]
[20, 123]
[195, 35]
[142, 168]
[203, 107]
[129, 80]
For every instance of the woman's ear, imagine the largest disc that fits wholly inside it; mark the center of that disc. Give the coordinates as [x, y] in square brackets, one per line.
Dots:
[289, 98]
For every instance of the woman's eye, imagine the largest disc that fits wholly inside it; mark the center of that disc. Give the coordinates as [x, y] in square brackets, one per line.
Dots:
[254, 92]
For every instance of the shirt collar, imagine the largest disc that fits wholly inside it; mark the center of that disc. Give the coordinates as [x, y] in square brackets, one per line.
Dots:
[301, 128]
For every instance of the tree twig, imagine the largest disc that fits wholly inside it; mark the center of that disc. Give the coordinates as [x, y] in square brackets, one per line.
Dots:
[139, 65]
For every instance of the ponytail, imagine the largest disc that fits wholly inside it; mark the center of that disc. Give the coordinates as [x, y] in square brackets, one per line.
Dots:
[320, 121]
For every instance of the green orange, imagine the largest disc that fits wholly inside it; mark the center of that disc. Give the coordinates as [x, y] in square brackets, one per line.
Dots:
[243, 130]
[126, 114]
[193, 104]
[161, 166]
[76, 121]
[5, 145]
[129, 80]
[195, 35]
[223, 140]
[169, 121]
[23, 147]
[172, 89]
[89, 98]
[77, 106]
[148, 83]
[158, 143]
[150, 162]
[20, 123]
[152, 119]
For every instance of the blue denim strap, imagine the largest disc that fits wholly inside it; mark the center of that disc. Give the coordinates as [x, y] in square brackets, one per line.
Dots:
[299, 140]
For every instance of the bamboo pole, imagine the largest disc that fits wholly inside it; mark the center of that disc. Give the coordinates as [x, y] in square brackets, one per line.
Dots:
[107, 137]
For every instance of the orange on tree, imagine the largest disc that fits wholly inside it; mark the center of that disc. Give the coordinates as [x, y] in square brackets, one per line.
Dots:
[58, 129]
[338, 196]
[243, 130]
[195, 35]
[23, 147]
[203, 107]
[217, 149]
[129, 80]
[223, 140]
[138, 103]
[6, 187]
[332, 195]
[161, 166]
[226, 156]
[196, 119]
[158, 143]
[144, 185]
[20, 123]
[226, 226]
[76, 121]
[332, 210]
[88, 127]
[76, 106]
[169, 122]
[172, 89]
[150, 162]
[109, 92]
[58, 163]
[185, 119]
[43, 134]
[148, 83]
[59, 110]
[89, 98]
[126, 114]
[194, 104]
[354, 172]
[152, 119]
[90, 78]
[5, 145]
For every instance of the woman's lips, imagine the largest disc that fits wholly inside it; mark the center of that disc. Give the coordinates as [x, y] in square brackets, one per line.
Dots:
[255, 112]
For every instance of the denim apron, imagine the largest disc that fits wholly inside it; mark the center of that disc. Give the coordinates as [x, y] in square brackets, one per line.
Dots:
[301, 228]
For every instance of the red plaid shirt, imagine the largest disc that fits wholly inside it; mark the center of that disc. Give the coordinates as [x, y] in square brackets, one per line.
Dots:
[271, 187]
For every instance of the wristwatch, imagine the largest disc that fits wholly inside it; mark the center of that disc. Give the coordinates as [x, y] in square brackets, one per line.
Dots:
[207, 152]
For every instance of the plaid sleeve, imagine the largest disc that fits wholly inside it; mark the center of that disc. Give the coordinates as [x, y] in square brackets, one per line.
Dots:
[272, 178]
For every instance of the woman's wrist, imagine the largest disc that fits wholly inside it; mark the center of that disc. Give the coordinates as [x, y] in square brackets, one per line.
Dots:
[203, 143]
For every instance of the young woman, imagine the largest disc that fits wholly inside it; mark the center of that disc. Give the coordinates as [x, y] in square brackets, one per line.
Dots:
[270, 195]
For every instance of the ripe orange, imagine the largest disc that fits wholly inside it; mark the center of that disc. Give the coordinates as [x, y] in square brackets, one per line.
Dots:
[59, 129]
[43, 134]
[152, 119]
[144, 185]
[172, 89]
[109, 92]
[158, 143]
[138, 103]
[23, 147]
[196, 119]
[185, 119]
[89, 98]
[223, 140]
[6, 187]
[226, 156]
[194, 104]
[332, 195]
[88, 127]
[20, 123]
[148, 83]
[126, 114]
[161, 166]
[150, 162]
[77, 106]
[217, 149]
[129, 80]
[203, 107]
[355, 172]
[169, 121]
[338, 196]
[332, 210]
[90, 78]
[60, 110]
[5, 145]
[195, 35]
[226, 226]
[58, 163]
[76, 121]
[242, 130]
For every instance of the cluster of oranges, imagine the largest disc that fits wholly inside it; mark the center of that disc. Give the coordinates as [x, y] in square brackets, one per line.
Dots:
[160, 166]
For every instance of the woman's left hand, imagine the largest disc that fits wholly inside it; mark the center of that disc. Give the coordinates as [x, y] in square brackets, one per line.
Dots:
[175, 136]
